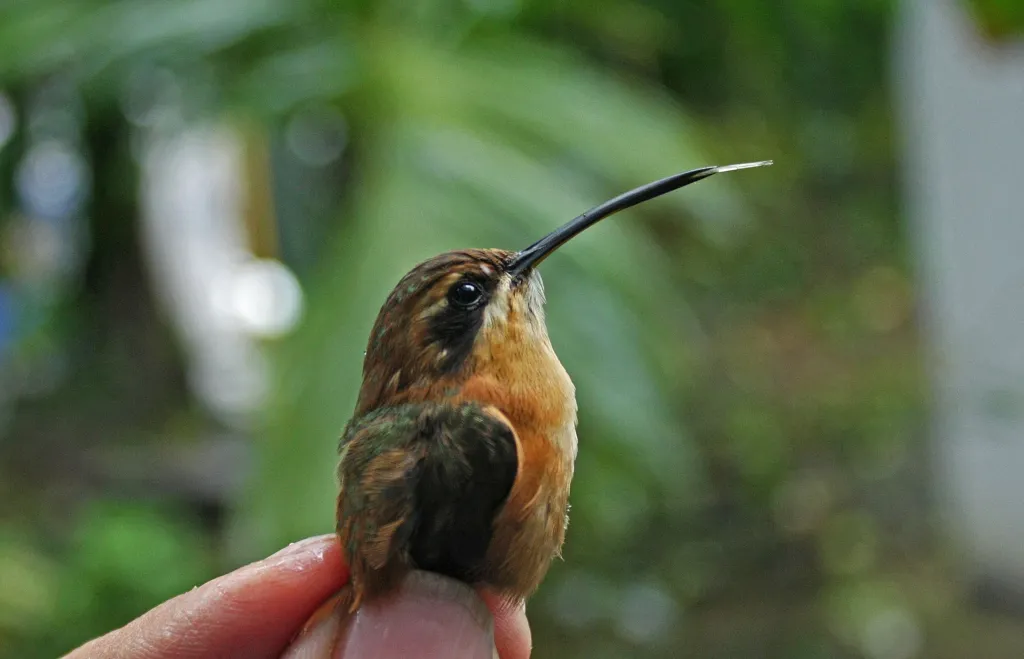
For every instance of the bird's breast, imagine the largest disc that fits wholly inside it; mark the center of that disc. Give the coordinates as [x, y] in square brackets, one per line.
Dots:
[529, 386]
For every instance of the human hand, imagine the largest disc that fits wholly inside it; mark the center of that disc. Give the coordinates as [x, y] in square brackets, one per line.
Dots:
[256, 611]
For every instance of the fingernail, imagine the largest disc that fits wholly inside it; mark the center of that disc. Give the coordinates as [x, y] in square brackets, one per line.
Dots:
[430, 617]
[317, 641]
[302, 546]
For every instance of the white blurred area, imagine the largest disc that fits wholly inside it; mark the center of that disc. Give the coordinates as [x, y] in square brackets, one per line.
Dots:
[219, 296]
[962, 100]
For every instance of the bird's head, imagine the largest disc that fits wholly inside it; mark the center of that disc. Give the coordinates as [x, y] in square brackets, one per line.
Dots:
[466, 310]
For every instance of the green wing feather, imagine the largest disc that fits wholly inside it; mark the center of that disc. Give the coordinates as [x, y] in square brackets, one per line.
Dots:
[420, 486]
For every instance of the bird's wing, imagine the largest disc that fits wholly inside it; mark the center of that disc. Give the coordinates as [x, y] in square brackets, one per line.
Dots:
[420, 487]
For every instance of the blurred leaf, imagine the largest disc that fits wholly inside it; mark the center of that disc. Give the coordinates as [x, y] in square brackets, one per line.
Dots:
[28, 597]
[93, 34]
[133, 547]
[129, 556]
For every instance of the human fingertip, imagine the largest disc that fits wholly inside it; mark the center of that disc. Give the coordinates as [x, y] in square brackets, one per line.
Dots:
[512, 634]
[430, 616]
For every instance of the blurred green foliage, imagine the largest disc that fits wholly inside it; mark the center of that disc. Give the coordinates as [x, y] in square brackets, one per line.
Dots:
[749, 480]
[119, 560]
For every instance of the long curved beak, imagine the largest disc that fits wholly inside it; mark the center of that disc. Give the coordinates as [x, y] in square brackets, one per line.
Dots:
[531, 257]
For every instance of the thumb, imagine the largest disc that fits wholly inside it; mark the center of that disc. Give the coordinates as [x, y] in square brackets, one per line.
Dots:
[429, 616]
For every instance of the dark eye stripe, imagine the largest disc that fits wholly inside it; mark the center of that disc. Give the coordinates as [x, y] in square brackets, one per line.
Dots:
[453, 328]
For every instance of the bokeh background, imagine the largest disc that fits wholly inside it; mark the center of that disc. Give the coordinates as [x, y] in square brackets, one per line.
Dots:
[204, 202]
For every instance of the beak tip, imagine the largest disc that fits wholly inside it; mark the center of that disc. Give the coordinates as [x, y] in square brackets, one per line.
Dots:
[745, 165]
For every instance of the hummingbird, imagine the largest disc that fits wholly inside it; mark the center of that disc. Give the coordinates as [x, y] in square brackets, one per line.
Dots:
[459, 456]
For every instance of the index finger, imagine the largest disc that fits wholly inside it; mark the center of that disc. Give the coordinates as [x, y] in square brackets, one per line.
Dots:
[256, 611]
[251, 612]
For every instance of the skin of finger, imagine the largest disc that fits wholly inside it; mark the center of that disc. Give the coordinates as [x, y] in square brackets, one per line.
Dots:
[512, 635]
[428, 616]
[412, 619]
[252, 612]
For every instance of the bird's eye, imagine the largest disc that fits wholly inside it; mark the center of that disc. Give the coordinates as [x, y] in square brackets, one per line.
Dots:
[466, 294]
